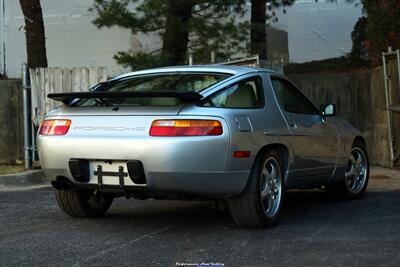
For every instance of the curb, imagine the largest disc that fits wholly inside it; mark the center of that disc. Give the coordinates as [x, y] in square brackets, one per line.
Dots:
[33, 177]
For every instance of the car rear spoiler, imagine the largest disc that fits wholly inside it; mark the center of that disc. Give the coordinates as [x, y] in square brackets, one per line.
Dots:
[68, 98]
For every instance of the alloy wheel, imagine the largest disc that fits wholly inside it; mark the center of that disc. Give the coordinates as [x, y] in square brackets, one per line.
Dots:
[271, 187]
[357, 168]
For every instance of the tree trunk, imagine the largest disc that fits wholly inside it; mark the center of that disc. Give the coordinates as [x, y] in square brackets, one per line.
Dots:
[258, 33]
[35, 37]
[176, 35]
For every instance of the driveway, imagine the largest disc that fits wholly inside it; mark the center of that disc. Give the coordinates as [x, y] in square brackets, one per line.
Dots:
[315, 230]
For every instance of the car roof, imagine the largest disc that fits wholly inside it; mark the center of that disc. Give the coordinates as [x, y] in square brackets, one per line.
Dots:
[228, 69]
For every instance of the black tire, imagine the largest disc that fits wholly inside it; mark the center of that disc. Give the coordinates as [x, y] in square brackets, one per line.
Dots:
[83, 203]
[248, 210]
[341, 190]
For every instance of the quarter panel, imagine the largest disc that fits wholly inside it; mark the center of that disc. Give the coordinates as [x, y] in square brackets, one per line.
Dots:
[267, 125]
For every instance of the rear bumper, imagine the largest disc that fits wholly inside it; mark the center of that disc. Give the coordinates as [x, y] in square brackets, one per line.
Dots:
[207, 184]
[190, 165]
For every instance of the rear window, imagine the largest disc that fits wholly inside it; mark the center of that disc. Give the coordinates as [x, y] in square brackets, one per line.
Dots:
[172, 82]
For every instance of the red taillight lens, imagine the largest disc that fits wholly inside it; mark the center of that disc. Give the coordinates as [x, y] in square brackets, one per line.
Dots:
[54, 127]
[185, 128]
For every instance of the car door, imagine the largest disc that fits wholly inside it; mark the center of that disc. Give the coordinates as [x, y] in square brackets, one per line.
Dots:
[314, 139]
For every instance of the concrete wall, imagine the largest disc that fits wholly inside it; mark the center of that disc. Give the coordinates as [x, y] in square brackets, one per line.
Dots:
[11, 121]
[360, 99]
[378, 131]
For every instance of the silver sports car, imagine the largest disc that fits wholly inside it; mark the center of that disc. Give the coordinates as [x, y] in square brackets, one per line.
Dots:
[235, 134]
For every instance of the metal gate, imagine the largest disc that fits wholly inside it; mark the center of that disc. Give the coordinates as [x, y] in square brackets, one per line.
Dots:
[391, 69]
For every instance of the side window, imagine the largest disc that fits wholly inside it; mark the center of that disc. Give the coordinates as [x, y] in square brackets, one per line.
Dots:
[291, 99]
[245, 94]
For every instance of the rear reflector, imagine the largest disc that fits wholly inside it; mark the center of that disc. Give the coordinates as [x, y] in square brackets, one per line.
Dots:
[54, 127]
[241, 154]
[185, 128]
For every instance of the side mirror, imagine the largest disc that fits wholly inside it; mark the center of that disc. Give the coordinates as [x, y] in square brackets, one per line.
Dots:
[328, 110]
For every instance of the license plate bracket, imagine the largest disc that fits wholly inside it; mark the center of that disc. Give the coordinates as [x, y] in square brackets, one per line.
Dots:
[121, 174]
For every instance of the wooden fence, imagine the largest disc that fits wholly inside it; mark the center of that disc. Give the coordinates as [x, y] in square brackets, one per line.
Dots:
[59, 80]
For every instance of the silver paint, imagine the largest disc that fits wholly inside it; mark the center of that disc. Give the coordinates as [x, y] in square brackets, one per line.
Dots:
[318, 150]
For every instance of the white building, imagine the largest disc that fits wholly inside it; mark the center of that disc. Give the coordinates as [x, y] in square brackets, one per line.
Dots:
[319, 30]
[71, 39]
[315, 31]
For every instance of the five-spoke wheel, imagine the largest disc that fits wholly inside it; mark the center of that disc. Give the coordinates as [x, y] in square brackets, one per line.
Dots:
[356, 173]
[271, 187]
[355, 180]
[260, 204]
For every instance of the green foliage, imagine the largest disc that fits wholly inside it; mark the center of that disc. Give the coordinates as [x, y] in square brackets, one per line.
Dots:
[378, 29]
[225, 38]
[330, 65]
[359, 51]
[383, 27]
[138, 60]
[184, 26]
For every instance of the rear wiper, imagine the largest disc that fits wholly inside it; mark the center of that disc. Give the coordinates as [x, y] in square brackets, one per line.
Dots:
[104, 103]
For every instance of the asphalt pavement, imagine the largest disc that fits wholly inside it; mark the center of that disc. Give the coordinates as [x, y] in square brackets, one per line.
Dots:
[315, 230]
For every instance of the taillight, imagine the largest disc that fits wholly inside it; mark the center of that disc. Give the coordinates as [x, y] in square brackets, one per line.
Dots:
[185, 128]
[54, 127]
